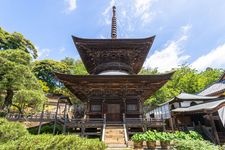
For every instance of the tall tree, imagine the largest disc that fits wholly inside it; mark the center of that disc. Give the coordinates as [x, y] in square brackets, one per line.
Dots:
[44, 71]
[76, 66]
[16, 41]
[15, 74]
[186, 80]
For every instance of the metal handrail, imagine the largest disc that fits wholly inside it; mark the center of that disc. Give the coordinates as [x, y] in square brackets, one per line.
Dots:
[104, 126]
[125, 129]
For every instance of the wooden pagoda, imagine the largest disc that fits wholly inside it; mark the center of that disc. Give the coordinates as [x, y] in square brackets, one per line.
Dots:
[113, 87]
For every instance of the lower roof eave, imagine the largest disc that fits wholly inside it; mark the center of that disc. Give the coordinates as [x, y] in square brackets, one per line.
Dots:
[82, 85]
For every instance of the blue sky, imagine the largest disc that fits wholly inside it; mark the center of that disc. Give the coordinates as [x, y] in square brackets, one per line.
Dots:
[187, 31]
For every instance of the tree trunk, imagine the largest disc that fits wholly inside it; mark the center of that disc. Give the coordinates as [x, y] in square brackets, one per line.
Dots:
[19, 109]
[8, 99]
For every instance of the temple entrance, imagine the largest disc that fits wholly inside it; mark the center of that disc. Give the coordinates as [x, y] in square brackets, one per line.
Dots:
[113, 112]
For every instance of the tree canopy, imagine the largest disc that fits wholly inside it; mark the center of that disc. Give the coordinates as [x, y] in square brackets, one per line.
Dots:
[16, 41]
[44, 71]
[16, 78]
[186, 80]
[75, 66]
[15, 75]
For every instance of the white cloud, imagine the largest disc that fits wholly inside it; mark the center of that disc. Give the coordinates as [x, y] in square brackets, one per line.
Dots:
[61, 50]
[101, 36]
[108, 12]
[172, 56]
[215, 59]
[132, 13]
[143, 10]
[43, 53]
[71, 5]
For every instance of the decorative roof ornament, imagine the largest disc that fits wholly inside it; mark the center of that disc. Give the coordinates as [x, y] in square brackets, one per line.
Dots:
[114, 28]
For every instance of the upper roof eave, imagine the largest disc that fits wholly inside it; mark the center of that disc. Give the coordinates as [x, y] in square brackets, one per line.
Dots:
[90, 50]
[78, 39]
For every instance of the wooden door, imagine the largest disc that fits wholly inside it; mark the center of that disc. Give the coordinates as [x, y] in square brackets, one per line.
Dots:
[113, 112]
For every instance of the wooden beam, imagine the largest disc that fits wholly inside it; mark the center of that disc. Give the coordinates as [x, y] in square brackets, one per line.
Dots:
[214, 128]
[56, 115]
[41, 119]
[65, 119]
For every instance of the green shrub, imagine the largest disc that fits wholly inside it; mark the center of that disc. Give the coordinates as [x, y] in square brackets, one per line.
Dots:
[2, 113]
[47, 129]
[150, 136]
[11, 130]
[194, 145]
[138, 137]
[14, 136]
[194, 135]
[164, 136]
[50, 142]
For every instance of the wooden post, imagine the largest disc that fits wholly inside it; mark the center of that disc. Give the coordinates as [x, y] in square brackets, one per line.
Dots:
[88, 107]
[65, 119]
[214, 128]
[103, 113]
[140, 108]
[171, 123]
[41, 119]
[125, 105]
[56, 115]
[174, 121]
[83, 126]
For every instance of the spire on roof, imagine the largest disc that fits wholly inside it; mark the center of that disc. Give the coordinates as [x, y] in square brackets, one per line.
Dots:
[114, 28]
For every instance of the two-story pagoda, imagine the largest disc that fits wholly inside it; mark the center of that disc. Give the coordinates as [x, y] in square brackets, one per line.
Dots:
[113, 87]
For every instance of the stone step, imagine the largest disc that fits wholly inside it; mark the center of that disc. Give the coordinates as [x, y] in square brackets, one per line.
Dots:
[114, 129]
[114, 132]
[117, 147]
[114, 136]
[115, 142]
[117, 139]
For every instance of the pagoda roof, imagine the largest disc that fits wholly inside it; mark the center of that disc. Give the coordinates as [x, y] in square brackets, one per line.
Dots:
[86, 87]
[113, 54]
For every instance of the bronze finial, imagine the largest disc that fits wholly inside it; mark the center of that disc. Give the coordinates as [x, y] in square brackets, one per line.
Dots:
[114, 28]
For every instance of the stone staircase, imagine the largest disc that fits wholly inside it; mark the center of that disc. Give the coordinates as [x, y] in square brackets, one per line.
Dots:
[114, 136]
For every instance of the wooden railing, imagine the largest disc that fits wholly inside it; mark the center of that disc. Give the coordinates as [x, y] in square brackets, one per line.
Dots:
[32, 117]
[103, 129]
[125, 129]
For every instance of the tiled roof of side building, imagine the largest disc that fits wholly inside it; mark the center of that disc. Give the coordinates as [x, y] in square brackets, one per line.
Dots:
[215, 88]
[184, 96]
[201, 107]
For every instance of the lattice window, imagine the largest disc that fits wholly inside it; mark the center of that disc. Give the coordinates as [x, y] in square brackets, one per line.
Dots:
[96, 108]
[132, 107]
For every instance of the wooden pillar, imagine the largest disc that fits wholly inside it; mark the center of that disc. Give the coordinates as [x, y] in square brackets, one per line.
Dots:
[87, 111]
[125, 106]
[56, 115]
[83, 126]
[41, 119]
[103, 113]
[140, 108]
[65, 118]
[214, 128]
[171, 123]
